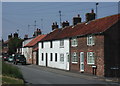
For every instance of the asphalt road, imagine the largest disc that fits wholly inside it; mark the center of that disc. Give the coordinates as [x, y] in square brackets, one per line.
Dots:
[42, 75]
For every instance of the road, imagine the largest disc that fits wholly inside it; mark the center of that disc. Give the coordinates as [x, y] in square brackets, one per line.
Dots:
[41, 75]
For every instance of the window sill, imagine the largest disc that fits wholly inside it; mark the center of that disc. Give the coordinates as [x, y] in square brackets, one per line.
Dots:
[91, 63]
[73, 45]
[74, 62]
[61, 46]
[62, 62]
[90, 44]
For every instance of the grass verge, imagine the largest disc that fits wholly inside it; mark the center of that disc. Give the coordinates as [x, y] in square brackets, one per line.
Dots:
[11, 74]
[11, 80]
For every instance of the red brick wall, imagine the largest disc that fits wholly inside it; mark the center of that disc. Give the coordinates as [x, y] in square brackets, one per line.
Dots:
[98, 48]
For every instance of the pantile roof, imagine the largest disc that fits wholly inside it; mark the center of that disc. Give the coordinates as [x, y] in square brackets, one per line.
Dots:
[92, 27]
[35, 41]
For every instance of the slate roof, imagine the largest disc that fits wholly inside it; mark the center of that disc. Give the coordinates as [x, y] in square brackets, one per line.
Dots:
[92, 27]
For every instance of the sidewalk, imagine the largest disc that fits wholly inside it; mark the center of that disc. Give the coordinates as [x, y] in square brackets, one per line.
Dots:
[76, 74]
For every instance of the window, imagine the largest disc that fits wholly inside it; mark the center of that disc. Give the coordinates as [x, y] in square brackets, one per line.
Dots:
[74, 42]
[90, 40]
[42, 56]
[51, 45]
[61, 43]
[51, 57]
[74, 57]
[90, 58]
[61, 57]
[55, 57]
[42, 45]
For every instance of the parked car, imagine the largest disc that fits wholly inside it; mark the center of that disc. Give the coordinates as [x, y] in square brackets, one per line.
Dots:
[10, 58]
[19, 59]
[5, 57]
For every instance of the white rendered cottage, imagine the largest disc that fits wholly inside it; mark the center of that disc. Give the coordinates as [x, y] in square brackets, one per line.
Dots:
[54, 53]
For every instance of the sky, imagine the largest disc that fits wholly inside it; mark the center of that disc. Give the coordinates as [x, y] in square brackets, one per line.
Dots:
[17, 15]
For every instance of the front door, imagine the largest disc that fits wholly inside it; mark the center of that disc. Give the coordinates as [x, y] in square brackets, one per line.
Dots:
[46, 60]
[37, 59]
[82, 61]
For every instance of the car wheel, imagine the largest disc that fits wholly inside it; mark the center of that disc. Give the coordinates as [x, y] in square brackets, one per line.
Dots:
[16, 63]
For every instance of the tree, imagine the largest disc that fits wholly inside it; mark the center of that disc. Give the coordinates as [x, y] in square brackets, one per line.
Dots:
[13, 44]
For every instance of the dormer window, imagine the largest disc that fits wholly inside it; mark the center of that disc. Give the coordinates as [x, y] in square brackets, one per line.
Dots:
[90, 40]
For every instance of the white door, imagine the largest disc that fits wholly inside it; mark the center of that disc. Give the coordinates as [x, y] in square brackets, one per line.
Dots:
[82, 61]
[67, 65]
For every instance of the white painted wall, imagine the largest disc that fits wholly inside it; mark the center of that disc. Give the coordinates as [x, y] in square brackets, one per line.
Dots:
[56, 49]
[25, 50]
[26, 42]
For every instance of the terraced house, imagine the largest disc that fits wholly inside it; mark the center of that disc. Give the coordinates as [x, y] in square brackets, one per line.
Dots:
[94, 47]
[30, 49]
[87, 47]
[54, 52]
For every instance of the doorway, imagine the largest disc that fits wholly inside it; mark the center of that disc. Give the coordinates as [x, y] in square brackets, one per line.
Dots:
[82, 61]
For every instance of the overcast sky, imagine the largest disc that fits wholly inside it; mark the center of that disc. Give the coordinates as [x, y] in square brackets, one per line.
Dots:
[17, 15]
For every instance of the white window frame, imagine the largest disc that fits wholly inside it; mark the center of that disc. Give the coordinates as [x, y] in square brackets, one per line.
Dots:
[74, 42]
[61, 57]
[62, 43]
[90, 40]
[74, 56]
[90, 57]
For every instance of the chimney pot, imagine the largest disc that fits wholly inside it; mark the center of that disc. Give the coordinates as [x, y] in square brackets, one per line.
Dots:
[55, 23]
[54, 26]
[92, 11]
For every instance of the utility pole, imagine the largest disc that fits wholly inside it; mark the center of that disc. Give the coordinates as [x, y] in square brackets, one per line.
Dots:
[18, 31]
[96, 9]
[60, 18]
[42, 23]
[28, 29]
[35, 25]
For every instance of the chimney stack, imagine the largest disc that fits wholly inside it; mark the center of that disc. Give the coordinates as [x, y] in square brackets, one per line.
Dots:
[54, 26]
[76, 20]
[64, 24]
[25, 37]
[15, 35]
[37, 32]
[10, 36]
[90, 16]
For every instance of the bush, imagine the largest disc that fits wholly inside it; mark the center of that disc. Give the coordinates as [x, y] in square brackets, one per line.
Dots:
[10, 70]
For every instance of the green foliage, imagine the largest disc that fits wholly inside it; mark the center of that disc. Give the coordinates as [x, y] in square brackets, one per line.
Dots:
[10, 70]
[13, 44]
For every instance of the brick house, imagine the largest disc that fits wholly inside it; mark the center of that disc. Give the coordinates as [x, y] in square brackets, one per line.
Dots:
[94, 47]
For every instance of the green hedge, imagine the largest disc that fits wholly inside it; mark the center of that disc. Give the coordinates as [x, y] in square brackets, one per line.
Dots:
[10, 70]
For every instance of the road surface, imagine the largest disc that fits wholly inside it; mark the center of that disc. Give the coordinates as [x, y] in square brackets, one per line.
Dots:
[41, 75]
